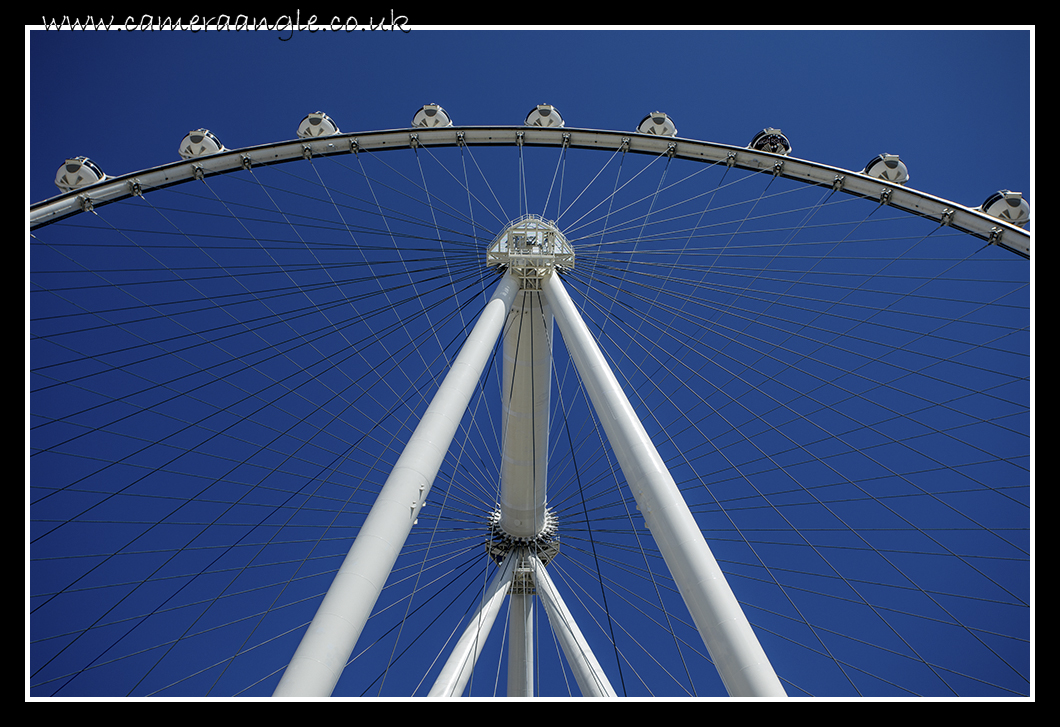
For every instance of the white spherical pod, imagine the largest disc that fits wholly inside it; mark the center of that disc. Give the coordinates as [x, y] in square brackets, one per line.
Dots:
[657, 123]
[200, 142]
[889, 168]
[317, 124]
[431, 115]
[544, 115]
[78, 172]
[771, 140]
[1008, 206]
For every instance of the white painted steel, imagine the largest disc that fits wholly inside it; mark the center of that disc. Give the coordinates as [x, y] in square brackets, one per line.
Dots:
[461, 663]
[961, 217]
[521, 643]
[733, 646]
[326, 647]
[525, 412]
[583, 664]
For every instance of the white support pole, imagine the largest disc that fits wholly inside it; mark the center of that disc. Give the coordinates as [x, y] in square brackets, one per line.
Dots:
[521, 629]
[326, 647]
[527, 377]
[741, 662]
[587, 671]
[457, 670]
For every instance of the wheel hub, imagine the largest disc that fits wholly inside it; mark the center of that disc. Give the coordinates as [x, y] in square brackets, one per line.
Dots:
[545, 544]
[531, 247]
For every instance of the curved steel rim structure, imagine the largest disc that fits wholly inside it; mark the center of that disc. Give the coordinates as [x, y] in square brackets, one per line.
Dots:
[965, 219]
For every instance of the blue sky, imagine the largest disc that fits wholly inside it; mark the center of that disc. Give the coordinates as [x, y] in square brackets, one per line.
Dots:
[957, 105]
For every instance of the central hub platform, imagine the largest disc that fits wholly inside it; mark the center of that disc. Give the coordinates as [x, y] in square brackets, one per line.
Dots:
[531, 247]
[545, 544]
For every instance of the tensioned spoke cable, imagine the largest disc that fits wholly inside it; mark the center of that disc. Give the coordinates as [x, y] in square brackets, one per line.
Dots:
[702, 322]
[223, 596]
[794, 282]
[384, 217]
[580, 502]
[295, 511]
[194, 498]
[821, 555]
[158, 569]
[433, 534]
[423, 563]
[586, 188]
[647, 216]
[761, 561]
[422, 566]
[276, 599]
[434, 217]
[562, 408]
[656, 294]
[452, 278]
[575, 586]
[955, 620]
[217, 664]
[342, 220]
[840, 434]
[638, 222]
[663, 285]
[188, 391]
[557, 174]
[274, 349]
[805, 299]
[503, 218]
[480, 234]
[832, 304]
[825, 628]
[483, 585]
[297, 234]
[469, 564]
[373, 206]
[430, 200]
[642, 222]
[610, 199]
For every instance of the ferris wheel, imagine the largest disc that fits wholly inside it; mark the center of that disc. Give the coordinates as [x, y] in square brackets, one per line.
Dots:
[526, 410]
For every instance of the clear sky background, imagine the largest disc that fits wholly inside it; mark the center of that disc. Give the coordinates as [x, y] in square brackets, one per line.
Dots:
[956, 104]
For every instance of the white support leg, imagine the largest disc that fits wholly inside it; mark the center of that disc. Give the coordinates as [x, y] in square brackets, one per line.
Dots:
[733, 646]
[521, 631]
[461, 663]
[587, 671]
[326, 647]
[524, 415]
